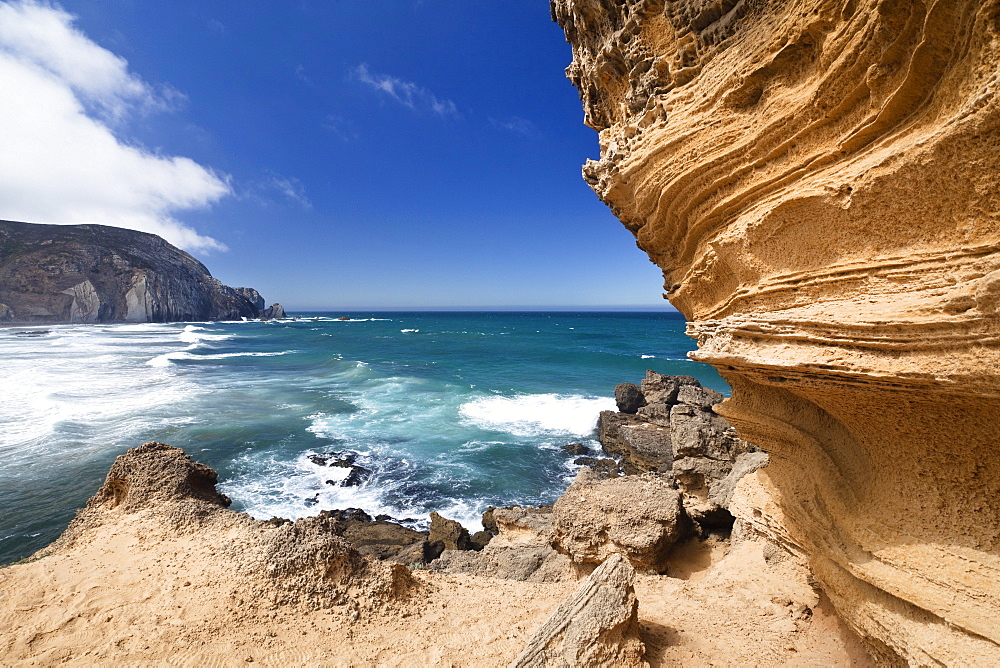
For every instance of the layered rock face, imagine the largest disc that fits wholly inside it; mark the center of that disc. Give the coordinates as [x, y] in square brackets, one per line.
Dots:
[95, 273]
[818, 181]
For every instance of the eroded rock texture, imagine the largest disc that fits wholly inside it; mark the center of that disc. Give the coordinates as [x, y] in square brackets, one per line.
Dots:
[818, 180]
[97, 273]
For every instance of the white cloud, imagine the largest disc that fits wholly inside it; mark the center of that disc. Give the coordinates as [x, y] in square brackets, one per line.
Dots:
[60, 161]
[515, 124]
[291, 188]
[405, 92]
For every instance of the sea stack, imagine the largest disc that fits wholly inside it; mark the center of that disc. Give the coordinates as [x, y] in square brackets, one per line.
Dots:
[99, 274]
[818, 183]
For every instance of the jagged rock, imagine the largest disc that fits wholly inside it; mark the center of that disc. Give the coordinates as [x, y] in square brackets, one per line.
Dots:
[273, 312]
[640, 517]
[480, 539]
[595, 627]
[575, 449]
[358, 476]
[604, 468]
[629, 398]
[301, 562]
[451, 533]
[663, 389]
[519, 550]
[817, 183]
[253, 297]
[96, 273]
[154, 474]
[344, 459]
[679, 434]
[421, 553]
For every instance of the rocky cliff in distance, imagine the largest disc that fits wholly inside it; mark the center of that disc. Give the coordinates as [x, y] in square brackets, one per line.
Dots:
[96, 273]
[817, 180]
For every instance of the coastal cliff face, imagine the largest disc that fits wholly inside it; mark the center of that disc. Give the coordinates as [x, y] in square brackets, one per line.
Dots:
[95, 273]
[817, 180]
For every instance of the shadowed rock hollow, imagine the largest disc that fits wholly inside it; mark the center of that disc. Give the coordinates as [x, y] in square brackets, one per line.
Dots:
[817, 180]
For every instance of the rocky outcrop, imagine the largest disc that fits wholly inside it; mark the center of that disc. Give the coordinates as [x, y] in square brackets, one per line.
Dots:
[597, 626]
[675, 431]
[305, 562]
[521, 548]
[639, 517]
[96, 273]
[817, 181]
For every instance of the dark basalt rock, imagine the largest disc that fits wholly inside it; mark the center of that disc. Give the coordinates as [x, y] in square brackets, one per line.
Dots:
[345, 458]
[629, 398]
[575, 449]
[96, 273]
[358, 476]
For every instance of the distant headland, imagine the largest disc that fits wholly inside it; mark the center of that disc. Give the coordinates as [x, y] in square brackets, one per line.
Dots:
[103, 274]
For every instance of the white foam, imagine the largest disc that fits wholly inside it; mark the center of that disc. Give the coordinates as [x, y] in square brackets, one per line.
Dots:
[646, 357]
[409, 331]
[166, 358]
[532, 414]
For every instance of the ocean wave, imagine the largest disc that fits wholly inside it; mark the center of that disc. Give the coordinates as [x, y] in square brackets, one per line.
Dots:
[409, 331]
[530, 414]
[646, 357]
[167, 358]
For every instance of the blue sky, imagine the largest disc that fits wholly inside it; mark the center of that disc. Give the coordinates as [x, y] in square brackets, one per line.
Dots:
[350, 154]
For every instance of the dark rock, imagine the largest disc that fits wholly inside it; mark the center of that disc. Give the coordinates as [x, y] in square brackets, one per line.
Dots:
[629, 398]
[575, 449]
[451, 533]
[385, 518]
[253, 297]
[348, 515]
[343, 317]
[604, 468]
[380, 539]
[344, 459]
[32, 333]
[96, 273]
[489, 521]
[273, 312]
[642, 446]
[312, 500]
[277, 521]
[421, 553]
[480, 539]
[358, 476]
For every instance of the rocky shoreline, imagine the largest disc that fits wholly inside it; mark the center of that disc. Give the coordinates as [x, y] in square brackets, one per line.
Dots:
[582, 582]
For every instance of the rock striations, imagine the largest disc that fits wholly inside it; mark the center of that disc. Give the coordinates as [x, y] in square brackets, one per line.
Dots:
[817, 180]
[96, 273]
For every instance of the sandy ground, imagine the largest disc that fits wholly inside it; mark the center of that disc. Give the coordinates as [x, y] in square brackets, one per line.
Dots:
[136, 592]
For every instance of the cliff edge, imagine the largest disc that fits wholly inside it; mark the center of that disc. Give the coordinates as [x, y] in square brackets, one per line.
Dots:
[96, 273]
[817, 180]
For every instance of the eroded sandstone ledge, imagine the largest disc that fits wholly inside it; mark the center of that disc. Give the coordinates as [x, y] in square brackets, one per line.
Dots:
[818, 180]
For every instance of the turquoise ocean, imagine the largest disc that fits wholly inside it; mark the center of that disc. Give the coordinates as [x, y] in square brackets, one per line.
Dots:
[448, 411]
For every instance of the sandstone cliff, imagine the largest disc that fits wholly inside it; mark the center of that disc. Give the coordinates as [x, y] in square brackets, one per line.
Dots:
[96, 273]
[818, 181]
